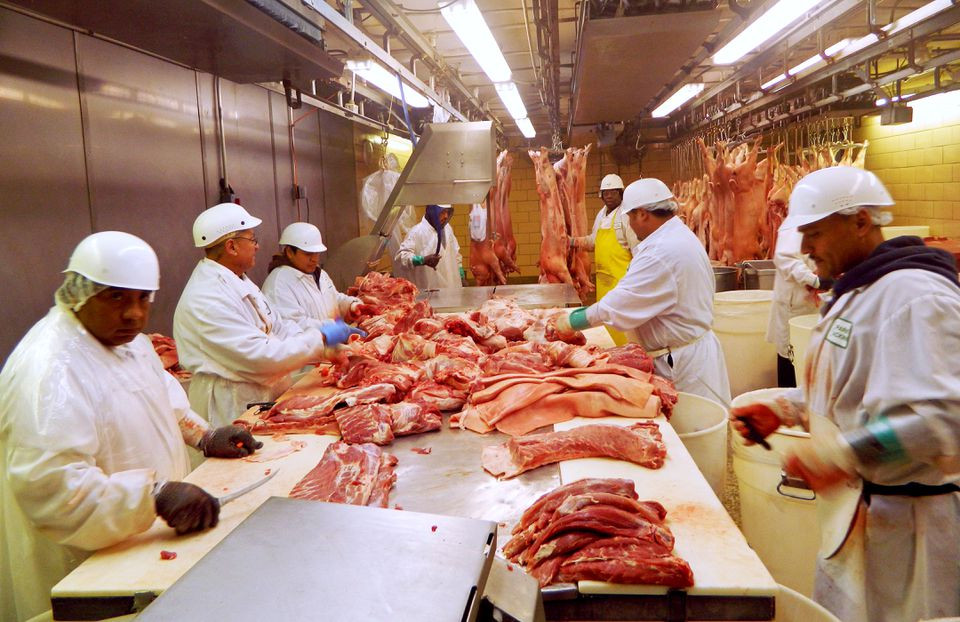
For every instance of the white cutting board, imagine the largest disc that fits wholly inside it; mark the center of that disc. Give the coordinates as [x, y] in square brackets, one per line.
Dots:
[723, 563]
[135, 565]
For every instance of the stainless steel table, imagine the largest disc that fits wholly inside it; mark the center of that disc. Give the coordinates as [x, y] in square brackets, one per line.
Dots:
[535, 296]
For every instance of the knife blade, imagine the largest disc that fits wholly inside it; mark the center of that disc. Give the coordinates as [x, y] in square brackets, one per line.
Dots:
[227, 498]
[752, 433]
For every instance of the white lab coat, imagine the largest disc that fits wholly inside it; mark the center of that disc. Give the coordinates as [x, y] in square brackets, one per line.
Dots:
[900, 360]
[621, 227]
[795, 272]
[238, 346]
[85, 432]
[666, 300]
[422, 240]
[300, 299]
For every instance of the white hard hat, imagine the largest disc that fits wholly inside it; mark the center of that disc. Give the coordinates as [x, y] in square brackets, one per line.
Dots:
[830, 190]
[116, 259]
[304, 236]
[644, 192]
[611, 182]
[219, 220]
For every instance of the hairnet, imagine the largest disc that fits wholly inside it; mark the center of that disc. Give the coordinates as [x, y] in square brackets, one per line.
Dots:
[76, 290]
[667, 205]
[878, 216]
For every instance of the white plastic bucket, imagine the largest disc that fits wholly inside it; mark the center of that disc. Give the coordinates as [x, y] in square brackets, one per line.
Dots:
[794, 607]
[780, 525]
[801, 328]
[702, 426]
[740, 321]
[891, 232]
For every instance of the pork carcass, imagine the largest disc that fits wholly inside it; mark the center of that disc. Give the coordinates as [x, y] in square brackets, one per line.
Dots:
[571, 178]
[484, 262]
[555, 244]
[504, 244]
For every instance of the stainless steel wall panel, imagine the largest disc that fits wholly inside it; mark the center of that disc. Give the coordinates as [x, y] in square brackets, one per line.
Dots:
[283, 169]
[44, 209]
[309, 163]
[340, 200]
[143, 157]
[250, 171]
[209, 146]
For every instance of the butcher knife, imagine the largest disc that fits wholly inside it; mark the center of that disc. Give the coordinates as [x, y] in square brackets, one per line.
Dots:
[752, 433]
[227, 498]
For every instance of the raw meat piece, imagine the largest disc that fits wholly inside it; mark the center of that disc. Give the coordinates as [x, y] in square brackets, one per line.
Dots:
[365, 371]
[454, 372]
[457, 346]
[549, 502]
[367, 423]
[553, 230]
[571, 179]
[418, 311]
[439, 396]
[413, 347]
[385, 481]
[631, 355]
[166, 349]
[461, 324]
[639, 443]
[565, 355]
[376, 326]
[408, 418]
[313, 413]
[626, 560]
[345, 474]
[516, 359]
[428, 327]
[504, 316]
[423, 451]
[381, 290]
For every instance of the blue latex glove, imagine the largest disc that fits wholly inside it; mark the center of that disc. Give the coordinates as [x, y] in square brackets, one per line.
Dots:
[337, 332]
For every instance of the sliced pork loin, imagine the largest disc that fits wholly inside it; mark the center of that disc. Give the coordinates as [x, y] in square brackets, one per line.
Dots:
[549, 502]
[353, 474]
[640, 443]
[380, 423]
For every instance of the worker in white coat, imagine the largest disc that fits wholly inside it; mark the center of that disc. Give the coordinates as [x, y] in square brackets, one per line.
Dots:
[299, 288]
[431, 250]
[665, 300]
[236, 343]
[93, 430]
[882, 396]
[612, 242]
[795, 286]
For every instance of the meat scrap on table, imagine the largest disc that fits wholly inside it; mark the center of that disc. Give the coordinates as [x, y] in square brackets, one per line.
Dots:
[596, 529]
[640, 443]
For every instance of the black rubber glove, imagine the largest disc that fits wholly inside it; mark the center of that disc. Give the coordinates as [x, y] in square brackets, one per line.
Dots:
[431, 260]
[229, 441]
[186, 507]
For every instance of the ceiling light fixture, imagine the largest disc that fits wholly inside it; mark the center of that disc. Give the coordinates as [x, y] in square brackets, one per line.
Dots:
[816, 59]
[780, 15]
[467, 22]
[510, 97]
[526, 128]
[376, 75]
[908, 20]
[684, 94]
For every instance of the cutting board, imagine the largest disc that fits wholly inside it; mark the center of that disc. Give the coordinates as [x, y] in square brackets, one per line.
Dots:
[135, 565]
[723, 563]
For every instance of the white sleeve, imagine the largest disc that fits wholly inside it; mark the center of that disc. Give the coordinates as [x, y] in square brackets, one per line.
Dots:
[409, 248]
[628, 233]
[647, 290]
[281, 294]
[790, 262]
[192, 425]
[228, 337]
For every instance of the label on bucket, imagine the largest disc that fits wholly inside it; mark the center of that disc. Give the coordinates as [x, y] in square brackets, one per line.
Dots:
[839, 333]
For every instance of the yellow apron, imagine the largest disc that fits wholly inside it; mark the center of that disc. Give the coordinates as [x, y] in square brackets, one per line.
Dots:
[612, 263]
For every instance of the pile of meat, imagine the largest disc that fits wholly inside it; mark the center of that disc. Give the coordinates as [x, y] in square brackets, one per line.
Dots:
[563, 214]
[494, 255]
[596, 529]
[414, 365]
[166, 349]
[736, 207]
[640, 443]
[353, 474]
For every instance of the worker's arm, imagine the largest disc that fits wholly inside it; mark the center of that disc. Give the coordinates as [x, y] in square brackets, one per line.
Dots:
[409, 254]
[281, 292]
[588, 242]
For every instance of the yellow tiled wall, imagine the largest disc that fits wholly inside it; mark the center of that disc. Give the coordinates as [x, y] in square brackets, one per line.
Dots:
[919, 163]
[525, 202]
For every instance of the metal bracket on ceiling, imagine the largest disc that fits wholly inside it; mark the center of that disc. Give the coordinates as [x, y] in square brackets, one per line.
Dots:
[288, 92]
[743, 12]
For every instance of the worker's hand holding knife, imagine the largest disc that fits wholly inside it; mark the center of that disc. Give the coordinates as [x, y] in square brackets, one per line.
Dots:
[432, 260]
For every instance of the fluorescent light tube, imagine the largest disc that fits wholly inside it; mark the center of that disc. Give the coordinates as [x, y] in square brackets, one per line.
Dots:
[781, 15]
[526, 128]
[927, 10]
[510, 97]
[376, 75]
[465, 19]
[816, 59]
[774, 81]
[896, 98]
[684, 94]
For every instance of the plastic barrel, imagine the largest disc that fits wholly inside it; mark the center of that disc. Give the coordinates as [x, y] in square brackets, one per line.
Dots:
[779, 524]
[794, 607]
[800, 329]
[740, 321]
[891, 232]
[702, 426]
